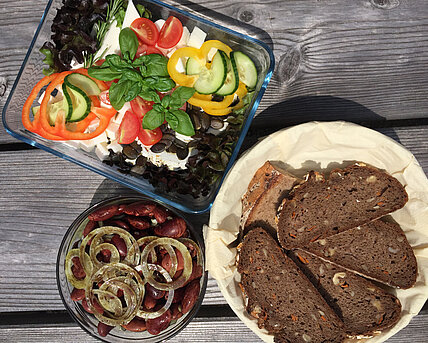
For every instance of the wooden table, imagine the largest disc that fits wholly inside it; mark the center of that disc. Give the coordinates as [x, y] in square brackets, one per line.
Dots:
[364, 61]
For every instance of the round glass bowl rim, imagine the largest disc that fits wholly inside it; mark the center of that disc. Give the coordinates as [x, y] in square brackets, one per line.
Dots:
[196, 236]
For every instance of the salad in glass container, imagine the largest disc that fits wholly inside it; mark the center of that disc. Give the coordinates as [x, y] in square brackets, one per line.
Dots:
[149, 97]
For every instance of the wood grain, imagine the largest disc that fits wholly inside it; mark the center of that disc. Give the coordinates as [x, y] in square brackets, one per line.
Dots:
[223, 330]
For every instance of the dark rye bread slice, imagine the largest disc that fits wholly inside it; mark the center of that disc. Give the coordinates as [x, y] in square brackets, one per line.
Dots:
[363, 307]
[263, 213]
[280, 296]
[353, 196]
[378, 250]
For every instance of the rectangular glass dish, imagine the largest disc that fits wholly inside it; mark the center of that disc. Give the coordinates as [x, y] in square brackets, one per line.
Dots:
[31, 72]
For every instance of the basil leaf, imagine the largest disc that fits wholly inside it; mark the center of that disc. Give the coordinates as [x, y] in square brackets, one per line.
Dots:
[180, 122]
[161, 84]
[153, 119]
[128, 42]
[104, 73]
[145, 13]
[158, 107]
[149, 95]
[166, 100]
[180, 96]
[133, 91]
[156, 65]
[117, 63]
[117, 92]
[132, 75]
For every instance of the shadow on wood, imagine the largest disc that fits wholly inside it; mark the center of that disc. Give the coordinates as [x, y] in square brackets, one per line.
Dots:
[300, 110]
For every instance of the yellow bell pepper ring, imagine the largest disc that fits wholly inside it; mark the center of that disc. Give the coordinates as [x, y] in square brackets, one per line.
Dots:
[180, 78]
[216, 44]
[221, 108]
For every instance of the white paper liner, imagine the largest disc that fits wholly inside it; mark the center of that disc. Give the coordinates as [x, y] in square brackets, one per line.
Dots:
[321, 147]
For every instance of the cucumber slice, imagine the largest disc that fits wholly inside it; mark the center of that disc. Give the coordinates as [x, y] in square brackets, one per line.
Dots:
[83, 82]
[232, 79]
[53, 110]
[210, 80]
[193, 67]
[78, 101]
[246, 69]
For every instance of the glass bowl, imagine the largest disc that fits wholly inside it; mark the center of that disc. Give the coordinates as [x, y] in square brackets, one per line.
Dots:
[31, 72]
[87, 321]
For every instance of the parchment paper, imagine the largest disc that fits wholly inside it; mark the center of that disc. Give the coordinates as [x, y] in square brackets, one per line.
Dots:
[322, 147]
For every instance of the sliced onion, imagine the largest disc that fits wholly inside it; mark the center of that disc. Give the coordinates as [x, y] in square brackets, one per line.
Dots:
[148, 275]
[196, 246]
[132, 257]
[116, 276]
[152, 315]
[109, 301]
[148, 239]
[76, 283]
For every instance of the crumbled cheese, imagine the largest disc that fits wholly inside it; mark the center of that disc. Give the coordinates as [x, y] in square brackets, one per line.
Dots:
[159, 23]
[197, 38]
[184, 38]
[102, 151]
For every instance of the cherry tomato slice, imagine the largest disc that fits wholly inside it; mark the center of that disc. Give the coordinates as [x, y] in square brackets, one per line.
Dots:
[149, 137]
[140, 106]
[105, 98]
[144, 49]
[170, 33]
[129, 128]
[146, 30]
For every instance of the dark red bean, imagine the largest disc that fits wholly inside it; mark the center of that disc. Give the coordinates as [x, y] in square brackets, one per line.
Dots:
[174, 228]
[89, 227]
[167, 262]
[154, 292]
[77, 294]
[86, 306]
[97, 306]
[138, 223]
[120, 245]
[136, 325]
[176, 311]
[104, 213]
[149, 303]
[77, 269]
[160, 214]
[104, 329]
[178, 295]
[196, 272]
[139, 209]
[177, 274]
[118, 223]
[119, 293]
[191, 294]
[156, 325]
[105, 255]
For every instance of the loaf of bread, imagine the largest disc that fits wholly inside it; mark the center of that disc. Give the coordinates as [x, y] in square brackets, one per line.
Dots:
[363, 307]
[279, 295]
[378, 250]
[351, 197]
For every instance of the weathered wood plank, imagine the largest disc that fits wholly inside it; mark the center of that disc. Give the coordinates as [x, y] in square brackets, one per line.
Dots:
[369, 55]
[41, 195]
[199, 330]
